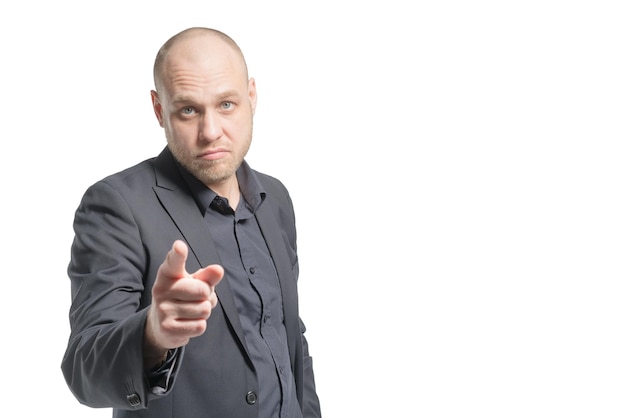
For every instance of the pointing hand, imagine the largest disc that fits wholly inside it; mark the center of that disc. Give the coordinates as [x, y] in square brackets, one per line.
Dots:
[181, 303]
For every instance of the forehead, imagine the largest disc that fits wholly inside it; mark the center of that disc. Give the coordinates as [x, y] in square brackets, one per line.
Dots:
[203, 60]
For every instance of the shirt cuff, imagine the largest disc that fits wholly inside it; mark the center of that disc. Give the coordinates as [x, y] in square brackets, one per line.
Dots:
[160, 378]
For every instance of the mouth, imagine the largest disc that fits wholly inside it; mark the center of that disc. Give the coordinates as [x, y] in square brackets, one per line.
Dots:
[212, 155]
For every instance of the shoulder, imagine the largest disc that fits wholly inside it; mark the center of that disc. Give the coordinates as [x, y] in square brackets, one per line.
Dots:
[273, 186]
[143, 175]
[130, 175]
[133, 188]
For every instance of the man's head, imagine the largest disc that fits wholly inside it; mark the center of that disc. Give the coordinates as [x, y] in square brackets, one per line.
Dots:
[205, 103]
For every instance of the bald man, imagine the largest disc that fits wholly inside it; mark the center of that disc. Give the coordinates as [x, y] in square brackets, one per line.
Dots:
[184, 267]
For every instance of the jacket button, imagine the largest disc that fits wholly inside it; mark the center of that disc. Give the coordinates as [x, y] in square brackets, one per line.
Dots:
[251, 398]
[133, 399]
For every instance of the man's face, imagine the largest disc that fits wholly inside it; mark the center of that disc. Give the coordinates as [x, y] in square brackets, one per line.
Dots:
[205, 104]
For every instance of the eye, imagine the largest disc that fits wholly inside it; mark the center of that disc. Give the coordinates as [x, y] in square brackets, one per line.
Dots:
[187, 110]
[227, 105]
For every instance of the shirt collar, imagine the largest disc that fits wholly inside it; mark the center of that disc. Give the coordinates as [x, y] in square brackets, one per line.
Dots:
[252, 190]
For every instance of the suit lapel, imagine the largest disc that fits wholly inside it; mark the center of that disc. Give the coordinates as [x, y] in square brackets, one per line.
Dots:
[272, 233]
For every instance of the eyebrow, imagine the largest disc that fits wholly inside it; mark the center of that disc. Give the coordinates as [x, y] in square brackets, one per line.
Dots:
[181, 99]
[228, 93]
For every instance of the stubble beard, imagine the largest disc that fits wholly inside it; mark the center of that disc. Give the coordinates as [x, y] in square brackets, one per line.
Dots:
[209, 172]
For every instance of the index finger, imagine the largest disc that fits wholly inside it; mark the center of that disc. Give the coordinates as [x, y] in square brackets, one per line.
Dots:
[174, 264]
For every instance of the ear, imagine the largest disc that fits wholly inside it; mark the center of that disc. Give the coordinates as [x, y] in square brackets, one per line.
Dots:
[157, 106]
[252, 94]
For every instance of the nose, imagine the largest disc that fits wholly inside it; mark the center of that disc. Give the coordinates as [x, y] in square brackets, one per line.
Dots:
[210, 127]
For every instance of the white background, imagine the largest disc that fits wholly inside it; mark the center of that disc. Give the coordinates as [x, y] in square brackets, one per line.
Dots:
[458, 172]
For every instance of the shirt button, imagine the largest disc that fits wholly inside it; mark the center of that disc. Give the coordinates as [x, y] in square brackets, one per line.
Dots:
[252, 270]
[251, 398]
[133, 399]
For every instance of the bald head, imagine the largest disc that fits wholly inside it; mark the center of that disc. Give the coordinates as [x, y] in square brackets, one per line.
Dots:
[199, 34]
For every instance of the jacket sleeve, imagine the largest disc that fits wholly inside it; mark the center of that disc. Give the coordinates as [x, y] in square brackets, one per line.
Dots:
[103, 362]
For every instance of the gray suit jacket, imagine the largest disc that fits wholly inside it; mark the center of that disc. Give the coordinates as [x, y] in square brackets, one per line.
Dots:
[124, 226]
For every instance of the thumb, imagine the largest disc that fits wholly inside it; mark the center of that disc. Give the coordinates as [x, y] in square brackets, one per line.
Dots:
[174, 264]
[212, 274]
